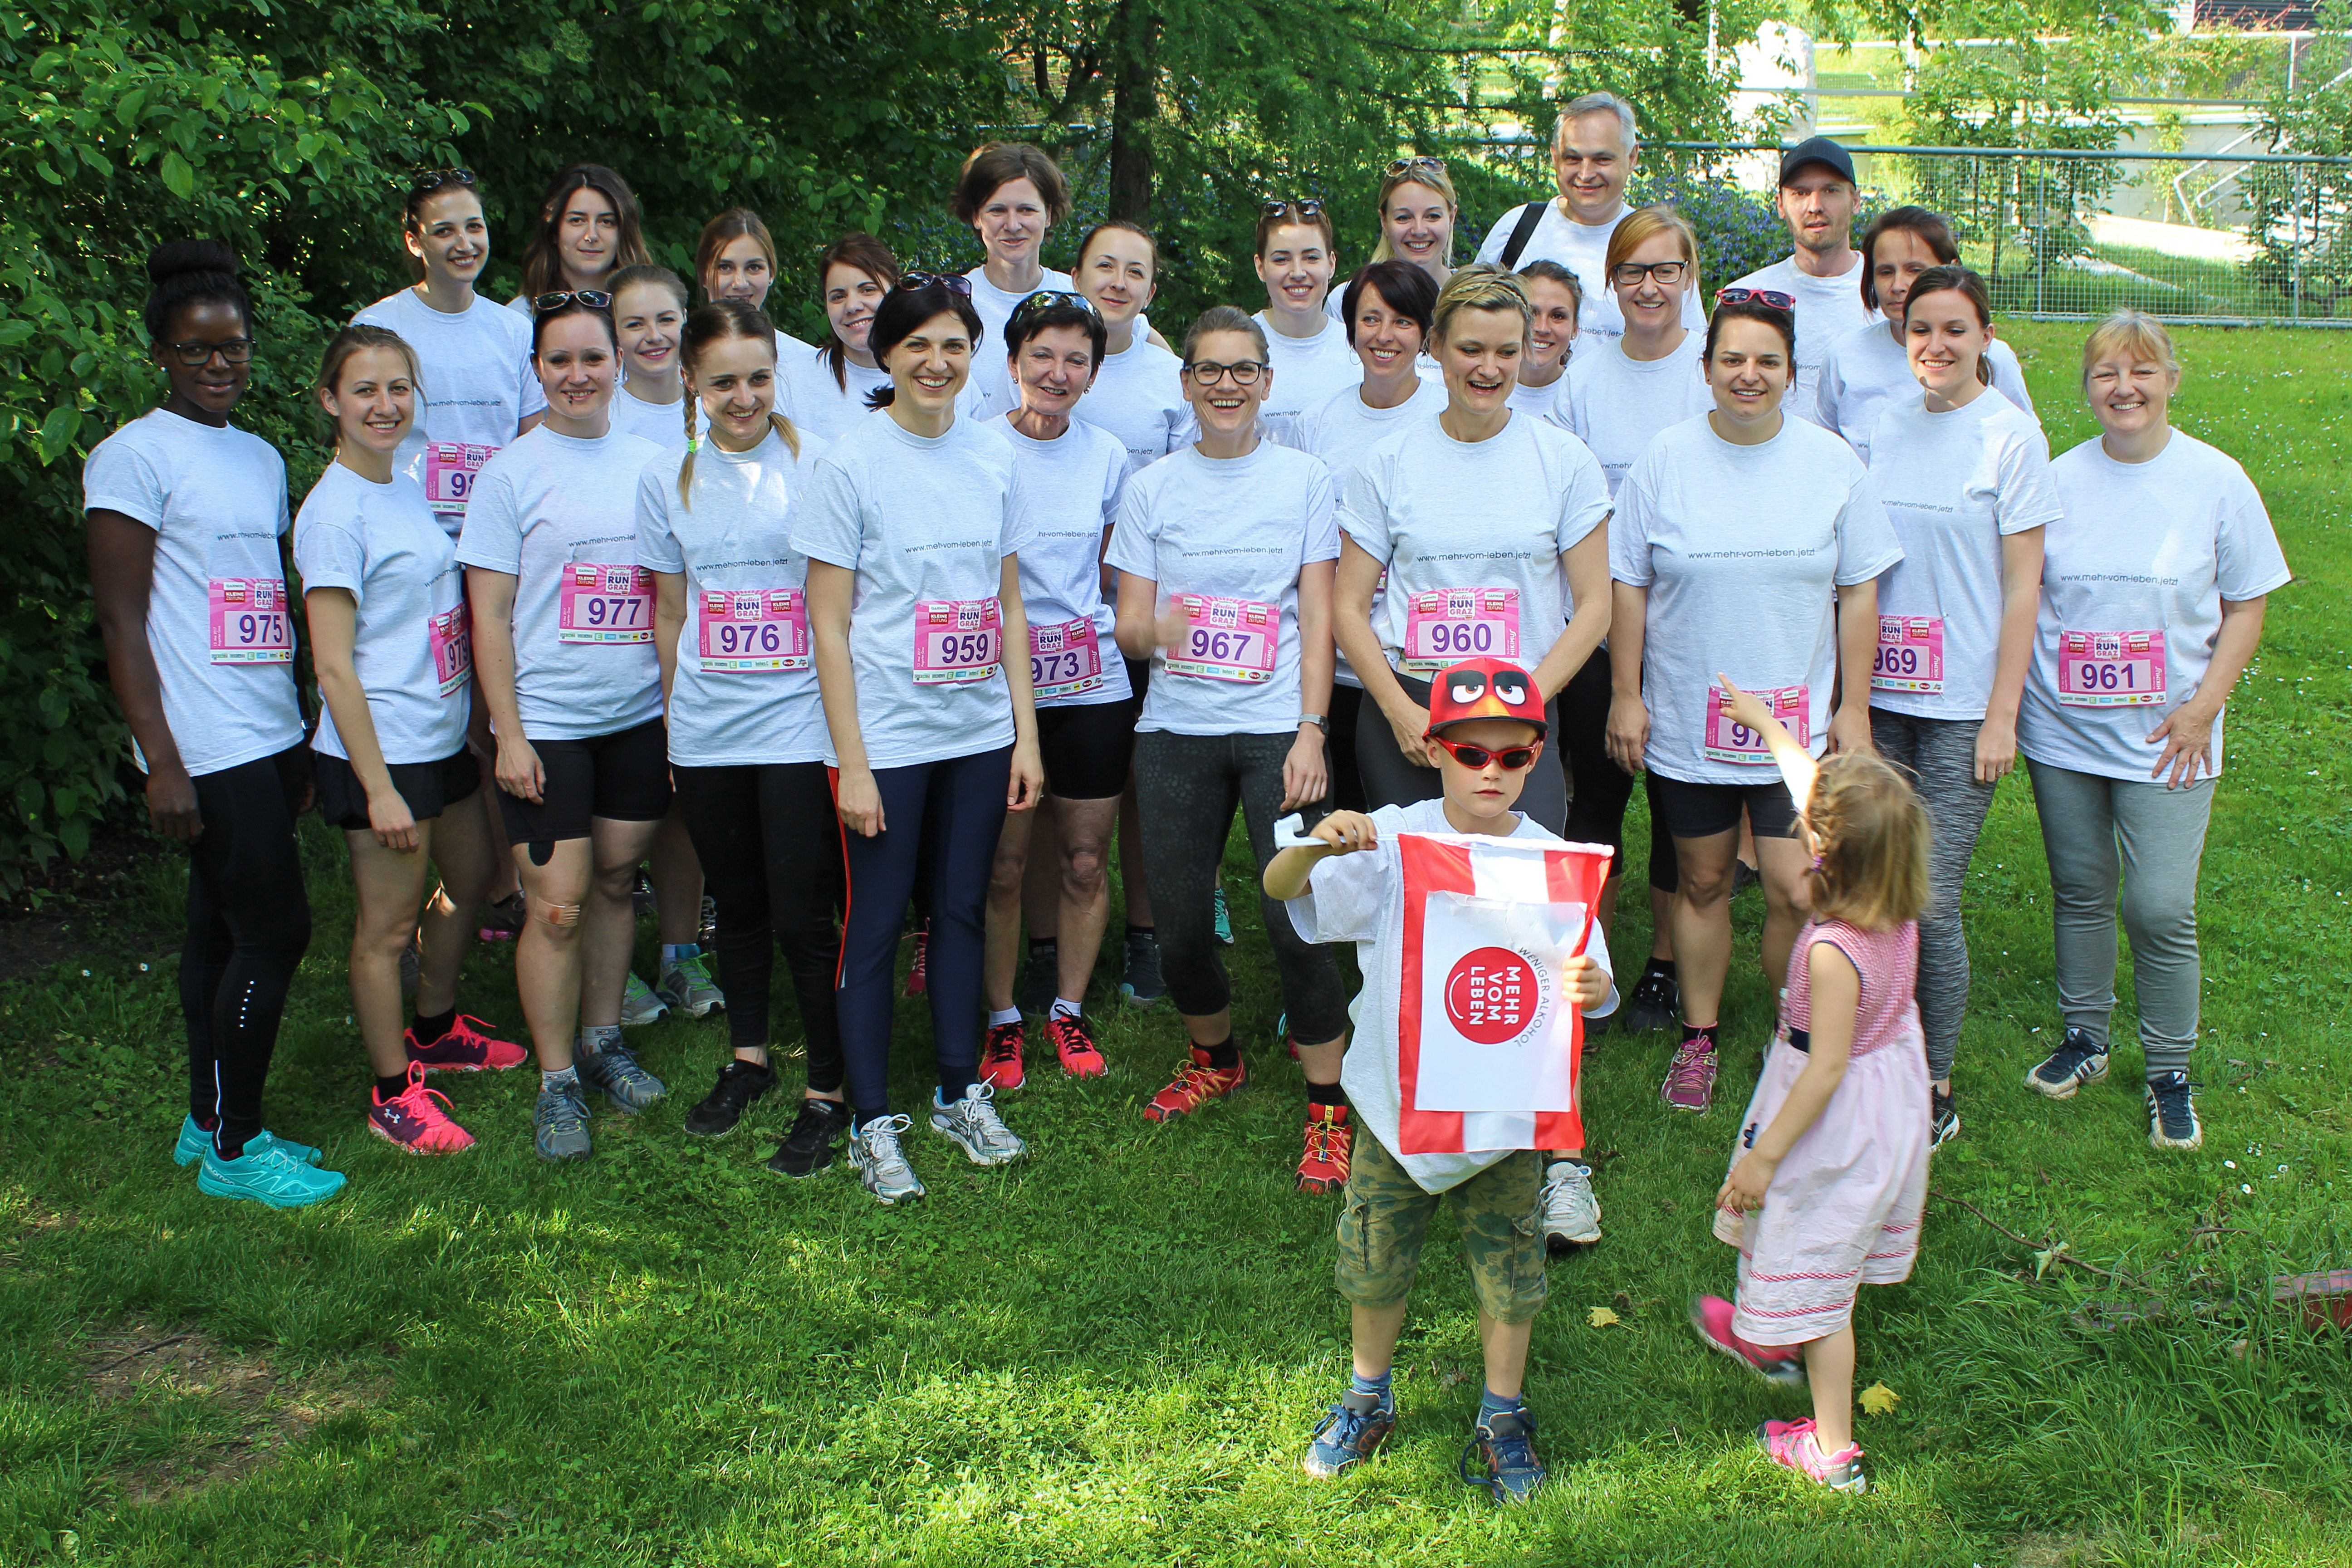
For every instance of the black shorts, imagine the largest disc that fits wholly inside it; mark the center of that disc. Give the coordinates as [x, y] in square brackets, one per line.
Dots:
[1085, 749]
[622, 777]
[1139, 680]
[1704, 810]
[429, 788]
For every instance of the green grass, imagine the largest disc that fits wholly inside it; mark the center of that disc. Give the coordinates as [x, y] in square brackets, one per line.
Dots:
[1111, 1353]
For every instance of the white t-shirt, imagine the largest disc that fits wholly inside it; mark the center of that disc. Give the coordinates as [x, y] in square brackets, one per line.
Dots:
[736, 537]
[2142, 547]
[1827, 310]
[1068, 492]
[544, 505]
[819, 406]
[1548, 404]
[1617, 405]
[478, 383]
[1341, 430]
[1306, 372]
[662, 424]
[1138, 395]
[991, 368]
[1867, 372]
[1495, 514]
[1360, 898]
[1742, 549]
[382, 543]
[1230, 529]
[921, 520]
[216, 500]
[1583, 249]
[1954, 485]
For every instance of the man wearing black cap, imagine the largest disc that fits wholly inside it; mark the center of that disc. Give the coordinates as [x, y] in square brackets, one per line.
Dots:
[1817, 202]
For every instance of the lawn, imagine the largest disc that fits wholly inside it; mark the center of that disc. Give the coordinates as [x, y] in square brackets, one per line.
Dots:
[1112, 1352]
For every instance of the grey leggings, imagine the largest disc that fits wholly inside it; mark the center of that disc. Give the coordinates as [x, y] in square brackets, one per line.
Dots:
[1940, 757]
[2099, 833]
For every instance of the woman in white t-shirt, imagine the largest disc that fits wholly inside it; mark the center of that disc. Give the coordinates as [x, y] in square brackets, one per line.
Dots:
[827, 387]
[2153, 586]
[1747, 543]
[185, 513]
[736, 259]
[1558, 301]
[1224, 551]
[649, 305]
[1138, 393]
[1011, 195]
[589, 229]
[564, 650]
[1307, 354]
[393, 649]
[912, 530]
[1417, 207]
[1965, 479]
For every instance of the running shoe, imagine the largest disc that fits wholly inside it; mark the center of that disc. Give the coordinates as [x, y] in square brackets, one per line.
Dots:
[706, 929]
[1571, 1215]
[973, 1125]
[1349, 1434]
[1142, 986]
[808, 1147]
[1000, 1055]
[881, 1165]
[918, 977]
[1073, 1039]
[1282, 1032]
[686, 986]
[1657, 1001]
[2172, 1112]
[1710, 1320]
[615, 1072]
[1690, 1077]
[1195, 1084]
[1943, 1119]
[412, 968]
[194, 1141]
[2078, 1060]
[410, 1121]
[502, 919]
[740, 1083]
[1793, 1445]
[1330, 1139]
[1042, 980]
[467, 1047]
[558, 1125]
[1504, 1446]
[641, 897]
[639, 1005]
[1224, 917]
[266, 1175]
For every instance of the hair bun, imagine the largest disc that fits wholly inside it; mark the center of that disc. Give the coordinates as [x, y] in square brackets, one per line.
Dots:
[176, 257]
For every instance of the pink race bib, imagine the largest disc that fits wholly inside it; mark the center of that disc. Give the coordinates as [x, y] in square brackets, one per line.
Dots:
[1910, 654]
[1225, 639]
[250, 624]
[2111, 670]
[1446, 625]
[754, 629]
[449, 470]
[1730, 742]
[958, 640]
[604, 604]
[453, 648]
[1064, 660]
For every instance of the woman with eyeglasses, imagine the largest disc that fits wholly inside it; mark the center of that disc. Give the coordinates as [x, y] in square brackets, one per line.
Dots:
[589, 228]
[1747, 545]
[564, 650]
[1307, 357]
[912, 529]
[1011, 195]
[736, 259]
[1225, 552]
[649, 306]
[1417, 208]
[1558, 301]
[185, 515]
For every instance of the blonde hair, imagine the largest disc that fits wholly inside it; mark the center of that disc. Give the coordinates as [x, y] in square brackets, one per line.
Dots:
[718, 322]
[1427, 172]
[1481, 287]
[1873, 834]
[1639, 226]
[2133, 332]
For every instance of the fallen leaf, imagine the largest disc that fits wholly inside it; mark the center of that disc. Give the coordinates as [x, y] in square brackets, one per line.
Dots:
[1602, 1317]
[2042, 1260]
[1880, 1400]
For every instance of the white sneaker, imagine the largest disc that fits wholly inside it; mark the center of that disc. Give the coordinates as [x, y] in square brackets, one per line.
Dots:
[1571, 1215]
[973, 1124]
[875, 1155]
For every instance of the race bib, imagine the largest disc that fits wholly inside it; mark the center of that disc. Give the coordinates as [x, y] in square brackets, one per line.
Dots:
[1225, 639]
[604, 604]
[751, 629]
[453, 648]
[250, 621]
[449, 470]
[1445, 626]
[1730, 742]
[1910, 654]
[2109, 670]
[958, 640]
[1064, 660]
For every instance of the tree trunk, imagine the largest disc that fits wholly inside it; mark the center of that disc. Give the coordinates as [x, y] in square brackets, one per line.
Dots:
[1134, 104]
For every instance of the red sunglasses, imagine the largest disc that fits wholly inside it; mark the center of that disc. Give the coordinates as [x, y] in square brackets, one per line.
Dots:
[1510, 759]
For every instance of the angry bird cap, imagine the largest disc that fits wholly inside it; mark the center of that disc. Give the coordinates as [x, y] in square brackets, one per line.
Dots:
[1484, 689]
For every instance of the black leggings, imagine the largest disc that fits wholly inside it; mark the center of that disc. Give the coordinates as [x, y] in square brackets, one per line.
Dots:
[248, 925]
[769, 845]
[1596, 805]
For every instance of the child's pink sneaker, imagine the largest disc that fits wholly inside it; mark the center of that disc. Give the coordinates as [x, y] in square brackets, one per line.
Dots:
[411, 1122]
[1690, 1077]
[1793, 1445]
[1710, 1319]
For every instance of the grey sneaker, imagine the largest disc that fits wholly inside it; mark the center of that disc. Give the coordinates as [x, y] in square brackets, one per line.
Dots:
[560, 1125]
[686, 986]
[616, 1071]
[2078, 1060]
[973, 1124]
[1571, 1215]
[639, 1005]
[875, 1155]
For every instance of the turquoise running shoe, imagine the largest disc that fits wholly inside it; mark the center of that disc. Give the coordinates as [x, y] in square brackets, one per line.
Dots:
[195, 1141]
[268, 1174]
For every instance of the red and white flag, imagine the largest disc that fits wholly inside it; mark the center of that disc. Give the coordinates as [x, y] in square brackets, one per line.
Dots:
[1488, 1042]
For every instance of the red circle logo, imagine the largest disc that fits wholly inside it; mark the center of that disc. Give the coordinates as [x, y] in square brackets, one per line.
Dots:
[1491, 995]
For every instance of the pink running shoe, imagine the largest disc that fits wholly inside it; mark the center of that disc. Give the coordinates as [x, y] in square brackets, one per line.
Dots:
[1793, 1445]
[412, 1123]
[468, 1046]
[1710, 1320]
[1690, 1077]
[918, 977]
[1000, 1056]
[1074, 1043]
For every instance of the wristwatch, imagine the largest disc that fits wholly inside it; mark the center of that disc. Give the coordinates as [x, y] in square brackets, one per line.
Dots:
[1317, 720]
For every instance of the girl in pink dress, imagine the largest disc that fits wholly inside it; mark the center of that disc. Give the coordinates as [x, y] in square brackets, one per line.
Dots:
[1831, 1170]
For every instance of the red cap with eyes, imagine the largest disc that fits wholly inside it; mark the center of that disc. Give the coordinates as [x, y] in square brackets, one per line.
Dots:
[1484, 689]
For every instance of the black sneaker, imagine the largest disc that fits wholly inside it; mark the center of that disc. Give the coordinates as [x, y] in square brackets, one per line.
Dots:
[1043, 981]
[2079, 1060]
[2172, 1112]
[1657, 1001]
[808, 1147]
[1141, 985]
[1943, 1119]
[739, 1083]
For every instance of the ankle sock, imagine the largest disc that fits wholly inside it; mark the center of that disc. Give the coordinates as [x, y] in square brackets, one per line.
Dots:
[999, 1016]
[1066, 1008]
[674, 951]
[1697, 1031]
[1329, 1094]
[1225, 1056]
[388, 1090]
[952, 1094]
[1134, 930]
[594, 1038]
[1493, 1403]
[1376, 1387]
[428, 1029]
[1044, 945]
[562, 1077]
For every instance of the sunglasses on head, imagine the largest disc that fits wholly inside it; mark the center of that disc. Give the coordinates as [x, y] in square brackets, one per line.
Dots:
[434, 179]
[1510, 759]
[953, 282]
[1769, 296]
[1047, 299]
[1308, 208]
[594, 299]
[1403, 166]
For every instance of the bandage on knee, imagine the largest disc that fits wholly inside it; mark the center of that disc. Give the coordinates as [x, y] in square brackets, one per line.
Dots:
[553, 913]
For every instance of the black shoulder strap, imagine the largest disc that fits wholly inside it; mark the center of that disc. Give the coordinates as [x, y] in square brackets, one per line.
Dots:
[1521, 232]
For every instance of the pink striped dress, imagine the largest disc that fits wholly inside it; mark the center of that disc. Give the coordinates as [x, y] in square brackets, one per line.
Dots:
[1844, 1208]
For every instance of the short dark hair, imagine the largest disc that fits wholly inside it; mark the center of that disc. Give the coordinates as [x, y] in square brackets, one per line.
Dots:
[1402, 287]
[1930, 227]
[186, 271]
[1782, 322]
[574, 306]
[905, 310]
[995, 164]
[1044, 310]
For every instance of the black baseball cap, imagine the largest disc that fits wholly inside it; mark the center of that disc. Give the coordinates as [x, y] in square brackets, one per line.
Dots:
[1817, 150]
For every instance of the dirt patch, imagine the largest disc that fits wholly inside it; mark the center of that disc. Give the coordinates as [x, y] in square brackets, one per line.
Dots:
[89, 908]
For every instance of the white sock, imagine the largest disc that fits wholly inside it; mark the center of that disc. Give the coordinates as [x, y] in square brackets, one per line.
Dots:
[674, 951]
[594, 1038]
[1004, 1015]
[1066, 1008]
[562, 1077]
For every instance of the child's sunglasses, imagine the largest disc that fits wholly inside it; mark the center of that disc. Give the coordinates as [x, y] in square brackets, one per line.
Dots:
[1510, 759]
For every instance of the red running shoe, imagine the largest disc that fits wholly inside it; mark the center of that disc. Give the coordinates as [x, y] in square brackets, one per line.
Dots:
[1000, 1055]
[1194, 1086]
[918, 978]
[1330, 1140]
[468, 1046]
[412, 1123]
[1074, 1042]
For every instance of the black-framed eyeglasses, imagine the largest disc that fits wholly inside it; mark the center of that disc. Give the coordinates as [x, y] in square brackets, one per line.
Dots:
[1510, 759]
[594, 299]
[1423, 164]
[1206, 374]
[1310, 207]
[953, 282]
[1629, 274]
[1768, 297]
[434, 179]
[196, 352]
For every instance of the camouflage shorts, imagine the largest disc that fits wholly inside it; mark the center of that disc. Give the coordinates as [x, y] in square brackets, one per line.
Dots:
[1384, 1224]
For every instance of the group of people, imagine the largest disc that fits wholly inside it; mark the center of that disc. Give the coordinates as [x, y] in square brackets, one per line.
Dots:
[620, 574]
